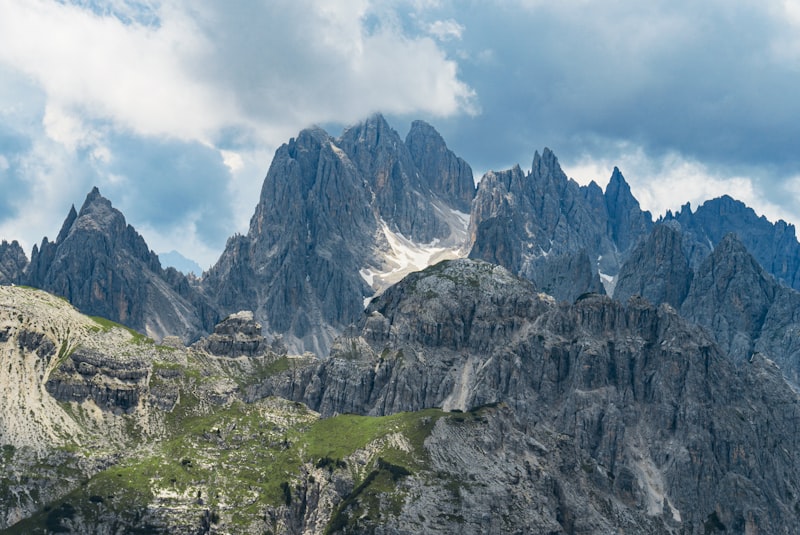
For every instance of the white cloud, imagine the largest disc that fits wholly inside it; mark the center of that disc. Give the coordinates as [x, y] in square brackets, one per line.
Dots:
[445, 30]
[185, 77]
[52, 185]
[100, 67]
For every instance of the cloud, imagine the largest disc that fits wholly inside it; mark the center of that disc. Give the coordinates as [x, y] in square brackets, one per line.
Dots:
[445, 30]
[199, 67]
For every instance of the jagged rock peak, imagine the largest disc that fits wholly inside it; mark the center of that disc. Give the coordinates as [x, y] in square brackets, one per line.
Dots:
[731, 294]
[474, 301]
[546, 166]
[617, 182]
[96, 214]
[657, 269]
[627, 222]
[441, 170]
[71, 217]
[373, 131]
[104, 267]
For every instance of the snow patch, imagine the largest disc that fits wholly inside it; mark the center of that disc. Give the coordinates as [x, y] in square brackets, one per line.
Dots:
[402, 256]
[609, 282]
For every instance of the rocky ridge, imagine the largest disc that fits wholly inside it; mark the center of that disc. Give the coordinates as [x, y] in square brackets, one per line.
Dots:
[594, 417]
[633, 418]
[104, 267]
[12, 262]
[773, 245]
[729, 293]
[541, 225]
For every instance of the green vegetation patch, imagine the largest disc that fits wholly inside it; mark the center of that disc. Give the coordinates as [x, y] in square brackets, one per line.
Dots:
[107, 325]
[239, 460]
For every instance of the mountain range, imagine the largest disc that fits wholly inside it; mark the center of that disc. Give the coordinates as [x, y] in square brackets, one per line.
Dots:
[527, 355]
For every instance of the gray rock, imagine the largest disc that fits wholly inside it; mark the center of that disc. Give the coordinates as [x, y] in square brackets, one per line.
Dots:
[114, 384]
[236, 336]
[12, 262]
[539, 224]
[444, 173]
[104, 267]
[657, 269]
[401, 197]
[319, 222]
[774, 246]
[607, 416]
[627, 222]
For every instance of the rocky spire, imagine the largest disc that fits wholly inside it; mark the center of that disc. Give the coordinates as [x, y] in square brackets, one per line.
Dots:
[731, 295]
[657, 269]
[327, 211]
[71, 217]
[447, 175]
[627, 222]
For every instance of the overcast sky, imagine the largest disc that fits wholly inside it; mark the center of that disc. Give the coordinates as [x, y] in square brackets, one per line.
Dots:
[173, 108]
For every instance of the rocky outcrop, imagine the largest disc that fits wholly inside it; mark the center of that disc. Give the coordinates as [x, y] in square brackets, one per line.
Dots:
[12, 262]
[297, 268]
[627, 223]
[743, 307]
[658, 429]
[104, 267]
[536, 224]
[113, 384]
[235, 336]
[445, 174]
[332, 214]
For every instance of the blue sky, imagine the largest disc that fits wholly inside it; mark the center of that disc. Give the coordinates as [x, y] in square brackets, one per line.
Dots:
[173, 108]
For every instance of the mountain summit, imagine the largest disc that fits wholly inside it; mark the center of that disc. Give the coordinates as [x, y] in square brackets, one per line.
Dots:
[104, 267]
[337, 221]
[545, 227]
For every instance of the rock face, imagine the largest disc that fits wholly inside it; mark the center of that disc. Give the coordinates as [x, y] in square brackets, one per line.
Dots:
[12, 262]
[112, 384]
[633, 418]
[774, 246]
[444, 173]
[658, 268]
[729, 293]
[538, 224]
[745, 308]
[103, 266]
[334, 214]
